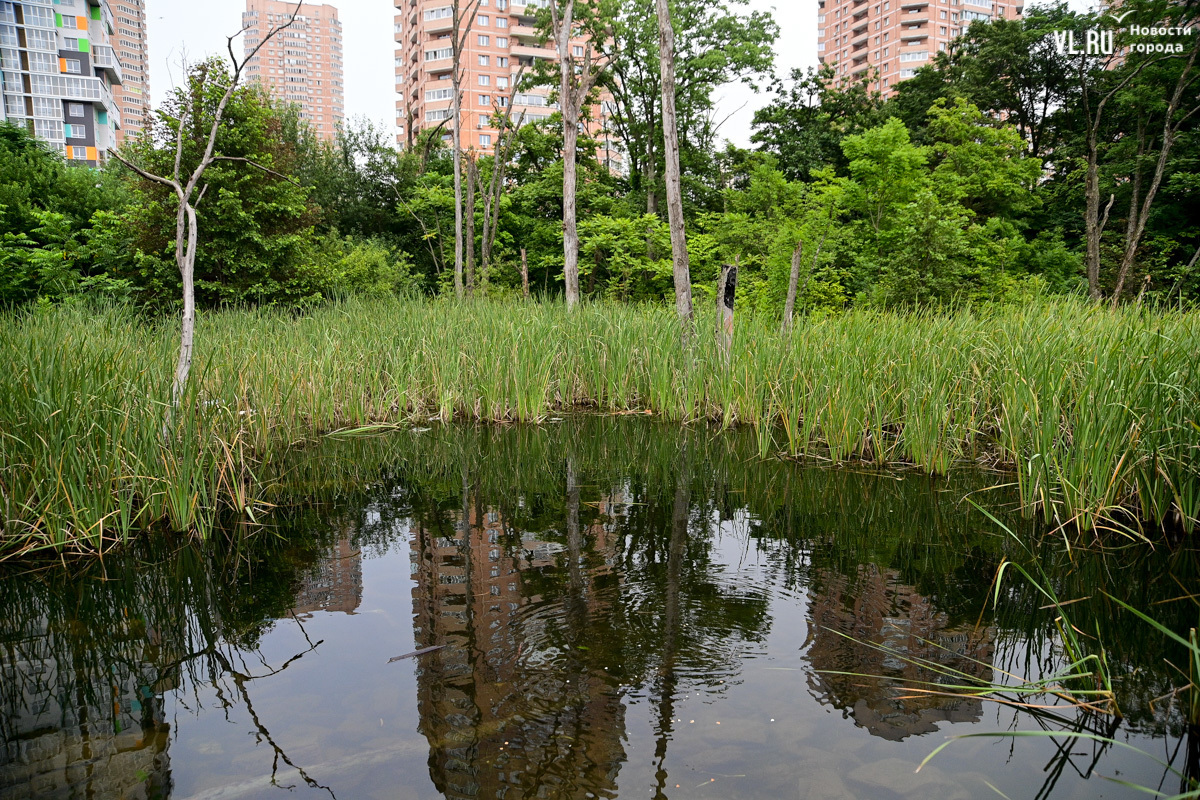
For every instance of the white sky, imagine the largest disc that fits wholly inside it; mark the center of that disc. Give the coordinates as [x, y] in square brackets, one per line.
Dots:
[177, 31]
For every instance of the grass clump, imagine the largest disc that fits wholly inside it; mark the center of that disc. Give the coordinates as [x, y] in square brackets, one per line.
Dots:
[1097, 412]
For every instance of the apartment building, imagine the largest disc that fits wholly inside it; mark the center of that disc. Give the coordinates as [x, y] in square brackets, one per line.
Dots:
[502, 39]
[894, 38]
[301, 64]
[129, 40]
[59, 69]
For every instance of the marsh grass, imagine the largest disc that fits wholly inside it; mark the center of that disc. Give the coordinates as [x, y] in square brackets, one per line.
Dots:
[1096, 413]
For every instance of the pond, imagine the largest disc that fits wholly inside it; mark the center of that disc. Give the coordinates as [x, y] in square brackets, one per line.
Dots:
[596, 607]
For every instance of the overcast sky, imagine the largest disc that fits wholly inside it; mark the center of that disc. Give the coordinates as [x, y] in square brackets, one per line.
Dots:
[176, 32]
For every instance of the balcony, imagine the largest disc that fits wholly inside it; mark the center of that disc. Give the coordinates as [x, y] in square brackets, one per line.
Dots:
[524, 32]
[916, 19]
[526, 51]
[439, 25]
[914, 4]
[914, 36]
[105, 58]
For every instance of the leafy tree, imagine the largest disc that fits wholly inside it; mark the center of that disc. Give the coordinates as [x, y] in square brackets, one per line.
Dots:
[804, 125]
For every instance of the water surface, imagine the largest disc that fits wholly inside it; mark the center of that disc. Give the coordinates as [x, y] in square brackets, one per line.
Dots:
[620, 609]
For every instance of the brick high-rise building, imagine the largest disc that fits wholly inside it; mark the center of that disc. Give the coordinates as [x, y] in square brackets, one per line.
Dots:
[58, 74]
[129, 40]
[894, 38]
[502, 39]
[301, 64]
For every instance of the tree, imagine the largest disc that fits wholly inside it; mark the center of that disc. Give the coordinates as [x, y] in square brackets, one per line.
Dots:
[458, 40]
[714, 45]
[187, 186]
[576, 81]
[683, 278]
[804, 125]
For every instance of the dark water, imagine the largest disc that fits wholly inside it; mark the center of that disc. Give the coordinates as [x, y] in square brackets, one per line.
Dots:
[622, 610]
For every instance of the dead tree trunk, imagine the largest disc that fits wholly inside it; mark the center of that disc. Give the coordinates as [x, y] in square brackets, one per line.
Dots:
[679, 254]
[472, 180]
[185, 189]
[726, 291]
[524, 274]
[505, 137]
[459, 33]
[793, 283]
[575, 83]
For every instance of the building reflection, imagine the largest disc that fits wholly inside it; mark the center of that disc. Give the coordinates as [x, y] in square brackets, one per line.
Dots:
[75, 727]
[872, 624]
[334, 582]
[510, 707]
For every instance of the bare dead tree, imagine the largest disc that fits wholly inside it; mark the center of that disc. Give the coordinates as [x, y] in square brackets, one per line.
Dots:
[524, 274]
[576, 81]
[502, 154]
[187, 187]
[793, 283]
[679, 254]
[458, 41]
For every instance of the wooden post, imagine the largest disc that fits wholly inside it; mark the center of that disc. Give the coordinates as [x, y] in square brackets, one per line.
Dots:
[793, 281]
[524, 274]
[726, 290]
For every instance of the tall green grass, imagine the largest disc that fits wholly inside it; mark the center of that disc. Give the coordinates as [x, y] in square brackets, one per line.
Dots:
[1095, 412]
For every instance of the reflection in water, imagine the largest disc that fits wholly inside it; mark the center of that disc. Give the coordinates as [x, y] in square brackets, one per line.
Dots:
[72, 728]
[510, 712]
[603, 595]
[874, 625]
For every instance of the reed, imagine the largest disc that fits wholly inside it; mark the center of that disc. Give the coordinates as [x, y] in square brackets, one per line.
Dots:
[1095, 412]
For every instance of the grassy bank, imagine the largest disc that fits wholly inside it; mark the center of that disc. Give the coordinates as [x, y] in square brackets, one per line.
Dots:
[1092, 410]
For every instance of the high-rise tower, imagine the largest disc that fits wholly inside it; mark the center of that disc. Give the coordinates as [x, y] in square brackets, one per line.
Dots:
[503, 37]
[129, 40]
[302, 64]
[59, 70]
[895, 38]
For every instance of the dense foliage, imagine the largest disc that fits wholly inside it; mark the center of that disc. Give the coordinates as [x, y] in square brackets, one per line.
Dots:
[969, 184]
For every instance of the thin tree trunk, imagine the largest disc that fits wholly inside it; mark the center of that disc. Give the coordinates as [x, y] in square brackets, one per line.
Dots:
[679, 254]
[789, 307]
[472, 179]
[570, 223]
[186, 236]
[458, 191]
[524, 274]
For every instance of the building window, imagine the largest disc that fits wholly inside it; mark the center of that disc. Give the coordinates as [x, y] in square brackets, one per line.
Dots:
[485, 140]
[501, 22]
[502, 41]
[79, 153]
[483, 60]
[74, 109]
[501, 83]
[484, 20]
[71, 65]
[71, 44]
[485, 80]
[577, 51]
[485, 99]
[502, 61]
[484, 41]
[75, 131]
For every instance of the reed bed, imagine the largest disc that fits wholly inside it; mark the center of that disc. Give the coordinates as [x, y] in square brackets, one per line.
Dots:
[1095, 412]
